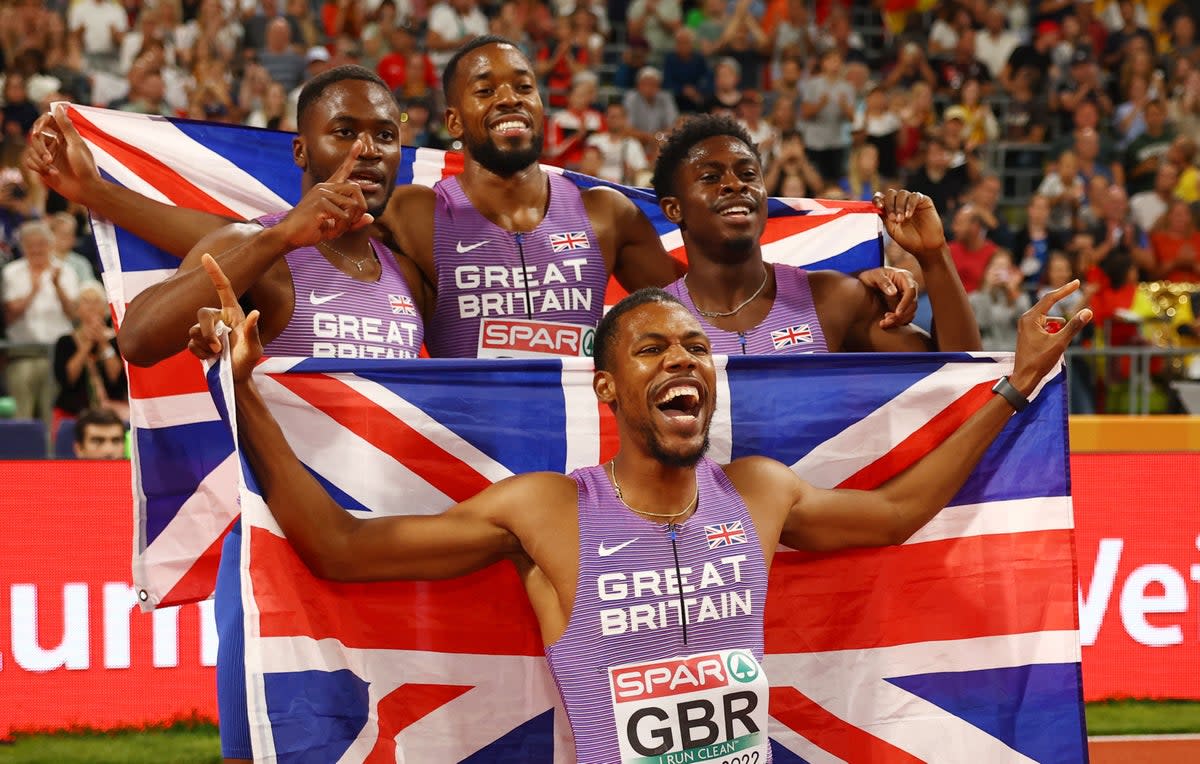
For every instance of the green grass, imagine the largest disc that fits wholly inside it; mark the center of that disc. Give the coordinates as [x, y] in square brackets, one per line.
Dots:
[1143, 717]
[182, 743]
[197, 743]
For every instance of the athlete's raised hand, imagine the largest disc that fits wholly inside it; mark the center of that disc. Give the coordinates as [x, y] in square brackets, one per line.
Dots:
[328, 209]
[58, 154]
[912, 221]
[1039, 348]
[245, 348]
[900, 291]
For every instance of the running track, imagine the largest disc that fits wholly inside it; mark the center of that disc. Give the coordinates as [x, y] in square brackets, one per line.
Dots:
[1145, 749]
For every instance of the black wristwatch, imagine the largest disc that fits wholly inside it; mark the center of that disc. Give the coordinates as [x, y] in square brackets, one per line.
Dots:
[1011, 394]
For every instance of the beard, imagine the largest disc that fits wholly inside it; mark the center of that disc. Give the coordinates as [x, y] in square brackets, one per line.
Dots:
[673, 459]
[505, 162]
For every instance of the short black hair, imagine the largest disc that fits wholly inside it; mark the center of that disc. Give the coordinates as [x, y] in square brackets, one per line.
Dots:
[313, 89]
[606, 330]
[683, 138]
[451, 70]
[99, 417]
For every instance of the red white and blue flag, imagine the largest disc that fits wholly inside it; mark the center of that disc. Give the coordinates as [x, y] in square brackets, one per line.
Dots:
[793, 335]
[183, 470]
[960, 644]
[402, 304]
[565, 242]
[725, 534]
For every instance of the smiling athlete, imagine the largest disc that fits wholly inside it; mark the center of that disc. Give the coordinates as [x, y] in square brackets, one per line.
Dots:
[709, 182]
[654, 368]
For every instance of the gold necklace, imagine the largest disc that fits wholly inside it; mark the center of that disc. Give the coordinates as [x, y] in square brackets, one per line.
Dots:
[612, 471]
[735, 311]
[356, 263]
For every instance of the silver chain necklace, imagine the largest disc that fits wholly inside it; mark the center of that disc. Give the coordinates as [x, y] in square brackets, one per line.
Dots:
[735, 311]
[356, 263]
[612, 471]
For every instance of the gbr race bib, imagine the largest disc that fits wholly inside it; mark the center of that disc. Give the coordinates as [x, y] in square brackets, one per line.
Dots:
[708, 707]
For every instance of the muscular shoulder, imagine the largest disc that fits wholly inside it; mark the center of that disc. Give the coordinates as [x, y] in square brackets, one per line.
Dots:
[406, 225]
[604, 204]
[226, 237]
[523, 502]
[769, 489]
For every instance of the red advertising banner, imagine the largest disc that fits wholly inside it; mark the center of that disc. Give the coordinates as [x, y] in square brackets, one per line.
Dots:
[75, 650]
[1137, 519]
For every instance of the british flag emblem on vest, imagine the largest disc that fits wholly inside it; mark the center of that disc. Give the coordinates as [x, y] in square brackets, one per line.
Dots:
[725, 534]
[793, 335]
[564, 242]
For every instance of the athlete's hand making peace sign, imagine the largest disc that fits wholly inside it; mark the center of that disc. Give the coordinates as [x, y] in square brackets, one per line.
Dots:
[245, 348]
[329, 209]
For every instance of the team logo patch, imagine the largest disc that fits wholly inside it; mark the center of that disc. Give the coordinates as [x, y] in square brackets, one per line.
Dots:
[725, 534]
[521, 338]
[402, 305]
[793, 335]
[565, 242]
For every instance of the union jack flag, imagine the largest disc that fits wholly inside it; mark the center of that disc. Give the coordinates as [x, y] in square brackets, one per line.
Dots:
[402, 304]
[793, 335]
[183, 470]
[563, 242]
[725, 534]
[961, 644]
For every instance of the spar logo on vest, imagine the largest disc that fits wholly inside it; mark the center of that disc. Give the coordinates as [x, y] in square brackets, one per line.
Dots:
[699, 708]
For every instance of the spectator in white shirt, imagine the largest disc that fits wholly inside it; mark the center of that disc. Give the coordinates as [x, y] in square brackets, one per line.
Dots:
[452, 23]
[622, 158]
[99, 25]
[994, 44]
[39, 304]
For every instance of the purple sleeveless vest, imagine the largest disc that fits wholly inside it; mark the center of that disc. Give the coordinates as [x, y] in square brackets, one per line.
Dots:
[791, 326]
[631, 686]
[503, 294]
[338, 317]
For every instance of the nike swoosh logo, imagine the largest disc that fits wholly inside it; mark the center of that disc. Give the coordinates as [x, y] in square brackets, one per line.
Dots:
[312, 297]
[463, 250]
[604, 551]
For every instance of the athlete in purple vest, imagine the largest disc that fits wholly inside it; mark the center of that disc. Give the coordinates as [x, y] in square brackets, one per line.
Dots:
[709, 182]
[502, 293]
[654, 634]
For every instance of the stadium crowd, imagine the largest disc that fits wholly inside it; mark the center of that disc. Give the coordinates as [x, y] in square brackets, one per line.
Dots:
[1058, 138]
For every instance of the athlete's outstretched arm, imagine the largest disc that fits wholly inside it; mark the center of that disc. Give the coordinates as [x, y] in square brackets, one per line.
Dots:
[251, 256]
[821, 519]
[58, 154]
[332, 542]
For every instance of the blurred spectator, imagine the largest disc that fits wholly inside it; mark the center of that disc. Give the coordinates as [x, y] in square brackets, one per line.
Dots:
[1146, 152]
[571, 127]
[151, 27]
[1126, 29]
[271, 113]
[935, 179]
[1034, 56]
[64, 227]
[785, 86]
[655, 21]
[910, 68]
[1148, 206]
[279, 57]
[727, 86]
[99, 434]
[708, 21]
[949, 23]
[994, 44]
[1175, 242]
[416, 87]
[999, 301]
[634, 58]
[1088, 150]
[87, 367]
[1181, 43]
[100, 25]
[962, 67]
[838, 34]
[211, 34]
[1129, 118]
[255, 28]
[792, 174]
[750, 116]
[917, 119]
[1081, 83]
[39, 301]
[1115, 230]
[651, 111]
[1060, 269]
[978, 119]
[342, 17]
[744, 41]
[509, 23]
[685, 72]
[623, 160]
[971, 250]
[826, 108]
[577, 47]
[19, 112]
[393, 66]
[984, 196]
[878, 125]
[147, 93]
[1065, 188]
[1036, 240]
[1182, 154]
[452, 23]
[862, 178]
[310, 33]
[794, 39]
